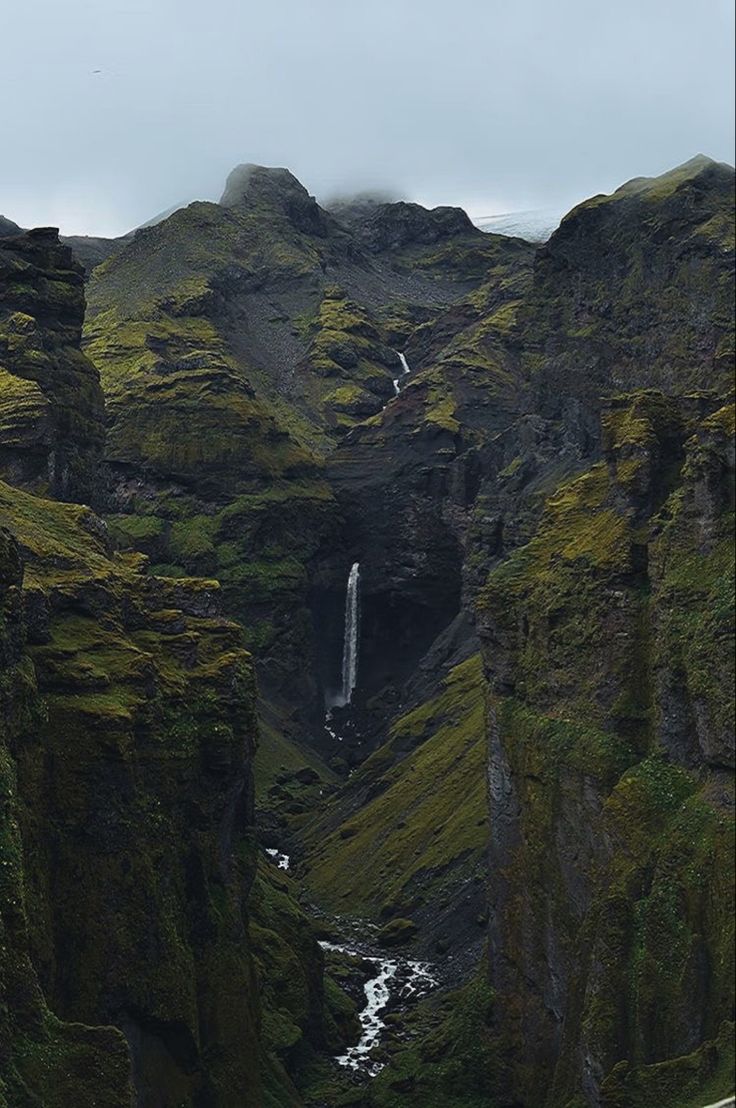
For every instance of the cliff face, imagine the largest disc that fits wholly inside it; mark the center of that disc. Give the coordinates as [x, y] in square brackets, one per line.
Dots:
[135, 805]
[607, 637]
[634, 290]
[128, 735]
[42, 1058]
[51, 404]
[589, 530]
[131, 970]
[608, 642]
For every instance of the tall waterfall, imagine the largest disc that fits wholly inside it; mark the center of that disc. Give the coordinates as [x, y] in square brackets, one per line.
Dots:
[350, 642]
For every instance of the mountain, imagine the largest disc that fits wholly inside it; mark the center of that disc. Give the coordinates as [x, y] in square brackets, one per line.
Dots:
[518, 823]
[237, 343]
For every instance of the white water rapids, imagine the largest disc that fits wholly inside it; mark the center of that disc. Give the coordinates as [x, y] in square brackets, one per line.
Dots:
[394, 976]
[281, 860]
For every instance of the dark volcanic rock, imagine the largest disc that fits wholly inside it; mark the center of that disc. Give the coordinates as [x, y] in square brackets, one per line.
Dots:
[8, 228]
[254, 185]
[51, 403]
[393, 226]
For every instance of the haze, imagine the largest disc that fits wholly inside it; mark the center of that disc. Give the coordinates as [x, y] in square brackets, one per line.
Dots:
[116, 111]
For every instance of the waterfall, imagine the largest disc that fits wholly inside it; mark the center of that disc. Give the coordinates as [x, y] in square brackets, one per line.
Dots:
[404, 371]
[350, 642]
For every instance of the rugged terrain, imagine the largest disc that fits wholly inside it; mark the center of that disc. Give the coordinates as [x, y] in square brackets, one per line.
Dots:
[532, 785]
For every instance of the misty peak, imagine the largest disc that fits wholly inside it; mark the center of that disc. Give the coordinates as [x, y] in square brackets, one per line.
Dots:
[259, 186]
[384, 226]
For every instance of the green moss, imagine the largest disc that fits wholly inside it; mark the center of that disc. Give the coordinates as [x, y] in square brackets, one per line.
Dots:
[412, 839]
[129, 530]
[149, 717]
[451, 1062]
[600, 634]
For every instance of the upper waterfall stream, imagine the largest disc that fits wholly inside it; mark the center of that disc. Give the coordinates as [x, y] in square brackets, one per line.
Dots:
[404, 372]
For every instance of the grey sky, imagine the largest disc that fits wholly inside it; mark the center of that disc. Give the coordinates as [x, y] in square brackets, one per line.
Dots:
[493, 105]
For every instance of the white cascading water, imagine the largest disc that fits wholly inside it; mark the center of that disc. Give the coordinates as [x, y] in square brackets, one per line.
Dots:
[350, 642]
[404, 371]
[394, 978]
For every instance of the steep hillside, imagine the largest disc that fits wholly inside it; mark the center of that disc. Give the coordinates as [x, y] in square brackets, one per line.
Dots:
[145, 717]
[42, 1058]
[607, 638]
[129, 966]
[396, 846]
[505, 395]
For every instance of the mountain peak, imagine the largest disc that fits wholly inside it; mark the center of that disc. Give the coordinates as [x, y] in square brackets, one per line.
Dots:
[256, 186]
[8, 228]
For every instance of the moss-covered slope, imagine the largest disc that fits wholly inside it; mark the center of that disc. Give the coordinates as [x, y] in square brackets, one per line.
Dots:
[407, 837]
[236, 344]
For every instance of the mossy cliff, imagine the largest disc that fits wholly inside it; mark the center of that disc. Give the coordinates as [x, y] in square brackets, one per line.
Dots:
[131, 969]
[43, 1060]
[51, 404]
[605, 520]
[634, 290]
[608, 644]
[135, 806]
[541, 737]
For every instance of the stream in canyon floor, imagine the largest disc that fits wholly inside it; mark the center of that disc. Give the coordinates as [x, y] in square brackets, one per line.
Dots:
[398, 980]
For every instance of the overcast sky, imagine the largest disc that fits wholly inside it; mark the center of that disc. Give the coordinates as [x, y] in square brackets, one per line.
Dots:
[497, 105]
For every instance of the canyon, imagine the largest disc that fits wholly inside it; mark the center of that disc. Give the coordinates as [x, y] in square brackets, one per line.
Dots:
[366, 656]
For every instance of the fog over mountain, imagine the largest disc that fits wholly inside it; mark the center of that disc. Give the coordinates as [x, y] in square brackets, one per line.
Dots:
[492, 106]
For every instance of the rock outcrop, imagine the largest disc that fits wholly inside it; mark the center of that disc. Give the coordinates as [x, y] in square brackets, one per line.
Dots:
[134, 780]
[51, 404]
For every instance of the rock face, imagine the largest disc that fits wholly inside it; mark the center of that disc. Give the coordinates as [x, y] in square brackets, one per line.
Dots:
[51, 403]
[634, 290]
[131, 970]
[127, 736]
[610, 743]
[588, 529]
[135, 810]
[250, 186]
[42, 1058]
[396, 225]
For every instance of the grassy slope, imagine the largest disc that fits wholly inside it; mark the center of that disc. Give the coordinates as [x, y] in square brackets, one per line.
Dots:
[426, 828]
